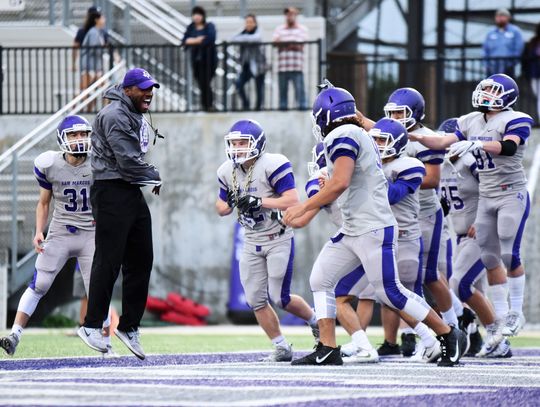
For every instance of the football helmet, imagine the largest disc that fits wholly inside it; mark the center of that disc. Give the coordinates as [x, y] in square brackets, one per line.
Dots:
[448, 126]
[393, 133]
[247, 130]
[495, 93]
[318, 160]
[331, 105]
[408, 101]
[74, 124]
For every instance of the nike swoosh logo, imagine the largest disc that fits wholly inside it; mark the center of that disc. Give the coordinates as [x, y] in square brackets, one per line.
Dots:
[86, 175]
[86, 333]
[456, 356]
[129, 336]
[320, 360]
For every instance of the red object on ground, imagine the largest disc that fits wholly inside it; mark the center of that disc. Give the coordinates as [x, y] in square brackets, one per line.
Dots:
[154, 304]
[181, 319]
[187, 306]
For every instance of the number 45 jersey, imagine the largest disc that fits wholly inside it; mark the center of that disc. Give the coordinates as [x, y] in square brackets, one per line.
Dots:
[459, 185]
[70, 188]
[499, 175]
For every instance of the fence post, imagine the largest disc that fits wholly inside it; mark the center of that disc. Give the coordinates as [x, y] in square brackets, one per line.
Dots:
[65, 13]
[225, 72]
[127, 25]
[189, 81]
[14, 224]
[320, 56]
[51, 12]
[1, 80]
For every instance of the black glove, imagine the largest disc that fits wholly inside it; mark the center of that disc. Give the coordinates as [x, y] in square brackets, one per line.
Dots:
[445, 205]
[249, 203]
[231, 201]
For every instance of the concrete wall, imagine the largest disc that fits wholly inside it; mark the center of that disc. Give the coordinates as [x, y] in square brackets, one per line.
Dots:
[193, 245]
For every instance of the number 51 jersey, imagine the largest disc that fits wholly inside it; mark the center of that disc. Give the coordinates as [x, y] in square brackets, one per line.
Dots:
[70, 188]
[499, 175]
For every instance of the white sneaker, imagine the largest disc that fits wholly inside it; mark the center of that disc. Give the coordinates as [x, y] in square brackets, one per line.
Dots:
[362, 356]
[502, 350]
[493, 338]
[349, 349]
[132, 341]
[93, 337]
[513, 324]
[426, 355]
[110, 354]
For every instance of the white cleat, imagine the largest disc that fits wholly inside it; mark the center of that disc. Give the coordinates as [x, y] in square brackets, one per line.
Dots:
[426, 355]
[362, 356]
[93, 337]
[349, 349]
[493, 338]
[502, 350]
[280, 354]
[513, 324]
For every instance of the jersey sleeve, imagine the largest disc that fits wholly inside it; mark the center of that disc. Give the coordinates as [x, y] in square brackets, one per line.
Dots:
[42, 164]
[280, 174]
[407, 181]
[312, 187]
[426, 155]
[222, 182]
[343, 145]
[519, 126]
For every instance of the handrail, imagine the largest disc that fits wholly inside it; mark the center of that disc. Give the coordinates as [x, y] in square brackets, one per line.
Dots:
[74, 106]
[171, 11]
[174, 27]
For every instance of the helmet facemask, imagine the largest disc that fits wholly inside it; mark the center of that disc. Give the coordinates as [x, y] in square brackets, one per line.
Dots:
[406, 119]
[240, 154]
[78, 146]
[489, 96]
[317, 162]
[388, 149]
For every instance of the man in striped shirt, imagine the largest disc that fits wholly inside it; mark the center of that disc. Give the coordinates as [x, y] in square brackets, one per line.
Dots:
[291, 58]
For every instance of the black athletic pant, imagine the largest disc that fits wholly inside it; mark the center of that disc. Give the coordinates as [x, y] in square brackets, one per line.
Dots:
[123, 240]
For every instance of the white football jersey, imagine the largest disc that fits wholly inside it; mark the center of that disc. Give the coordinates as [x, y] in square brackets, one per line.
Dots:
[272, 175]
[429, 202]
[499, 175]
[70, 188]
[364, 204]
[312, 187]
[459, 185]
[407, 210]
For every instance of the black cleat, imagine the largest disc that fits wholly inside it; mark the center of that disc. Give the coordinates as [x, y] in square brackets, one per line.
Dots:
[408, 344]
[476, 343]
[453, 346]
[323, 355]
[466, 319]
[388, 349]
[9, 344]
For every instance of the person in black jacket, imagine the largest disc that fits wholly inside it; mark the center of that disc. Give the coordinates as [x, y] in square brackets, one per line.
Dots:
[123, 223]
[200, 38]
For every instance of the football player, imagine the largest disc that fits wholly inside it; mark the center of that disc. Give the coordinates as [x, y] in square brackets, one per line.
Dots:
[368, 234]
[260, 185]
[65, 176]
[407, 105]
[496, 136]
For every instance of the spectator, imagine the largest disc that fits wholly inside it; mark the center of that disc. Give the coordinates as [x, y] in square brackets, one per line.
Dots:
[200, 37]
[252, 60]
[503, 45]
[291, 58]
[531, 66]
[81, 33]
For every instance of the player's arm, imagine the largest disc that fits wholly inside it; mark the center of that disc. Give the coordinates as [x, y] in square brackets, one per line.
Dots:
[434, 142]
[304, 219]
[286, 199]
[42, 215]
[223, 208]
[334, 187]
[508, 146]
[433, 176]
[366, 123]
[400, 188]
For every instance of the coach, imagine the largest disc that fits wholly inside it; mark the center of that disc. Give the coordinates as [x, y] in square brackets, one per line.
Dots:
[123, 222]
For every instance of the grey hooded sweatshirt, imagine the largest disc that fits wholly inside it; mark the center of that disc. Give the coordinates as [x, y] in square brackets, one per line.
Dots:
[119, 142]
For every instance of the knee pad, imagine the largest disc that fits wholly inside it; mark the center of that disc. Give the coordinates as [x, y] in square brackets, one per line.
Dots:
[280, 300]
[510, 260]
[325, 304]
[490, 260]
[29, 301]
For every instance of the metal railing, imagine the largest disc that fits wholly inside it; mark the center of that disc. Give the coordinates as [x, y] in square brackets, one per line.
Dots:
[446, 84]
[42, 80]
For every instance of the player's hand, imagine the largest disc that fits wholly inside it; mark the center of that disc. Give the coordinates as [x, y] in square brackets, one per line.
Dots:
[156, 189]
[463, 147]
[231, 201]
[38, 242]
[323, 177]
[293, 213]
[471, 232]
[249, 203]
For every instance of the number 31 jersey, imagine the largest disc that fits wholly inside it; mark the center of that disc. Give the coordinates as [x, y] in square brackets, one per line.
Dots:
[499, 175]
[70, 188]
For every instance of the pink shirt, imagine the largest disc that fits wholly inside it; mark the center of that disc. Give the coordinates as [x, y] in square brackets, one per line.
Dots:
[290, 60]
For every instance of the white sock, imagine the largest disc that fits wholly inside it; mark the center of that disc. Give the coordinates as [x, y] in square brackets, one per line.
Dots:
[407, 330]
[312, 322]
[516, 287]
[107, 340]
[450, 317]
[361, 340]
[17, 330]
[280, 341]
[427, 338]
[456, 304]
[498, 295]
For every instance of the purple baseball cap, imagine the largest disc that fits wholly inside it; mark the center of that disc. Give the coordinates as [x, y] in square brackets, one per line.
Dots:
[140, 78]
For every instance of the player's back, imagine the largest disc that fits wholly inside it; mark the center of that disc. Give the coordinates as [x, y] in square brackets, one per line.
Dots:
[364, 204]
[269, 177]
[499, 174]
[459, 185]
[70, 187]
[407, 210]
